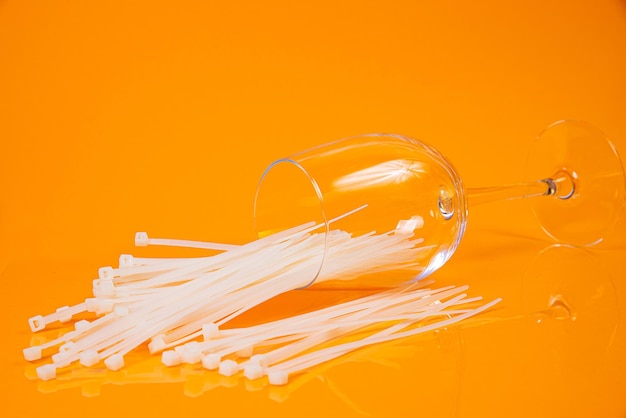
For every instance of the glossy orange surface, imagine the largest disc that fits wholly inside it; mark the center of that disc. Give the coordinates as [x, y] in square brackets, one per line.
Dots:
[160, 116]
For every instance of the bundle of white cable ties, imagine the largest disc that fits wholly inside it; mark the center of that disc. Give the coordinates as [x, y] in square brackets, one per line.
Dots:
[181, 307]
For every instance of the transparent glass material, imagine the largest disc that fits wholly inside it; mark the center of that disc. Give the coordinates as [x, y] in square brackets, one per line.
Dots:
[403, 196]
[392, 183]
[590, 194]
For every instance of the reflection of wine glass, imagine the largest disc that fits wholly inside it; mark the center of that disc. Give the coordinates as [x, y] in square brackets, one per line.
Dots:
[407, 193]
[557, 342]
[566, 287]
[572, 318]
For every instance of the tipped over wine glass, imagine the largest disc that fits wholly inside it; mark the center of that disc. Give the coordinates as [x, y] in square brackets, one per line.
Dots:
[389, 185]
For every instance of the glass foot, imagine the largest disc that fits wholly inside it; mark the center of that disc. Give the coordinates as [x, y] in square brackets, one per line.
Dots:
[586, 178]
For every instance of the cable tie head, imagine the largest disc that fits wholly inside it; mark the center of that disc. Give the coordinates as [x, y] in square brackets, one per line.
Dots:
[114, 362]
[32, 353]
[141, 239]
[191, 356]
[170, 358]
[47, 372]
[157, 344]
[253, 371]
[92, 304]
[210, 331]
[81, 325]
[106, 288]
[37, 323]
[106, 273]
[89, 358]
[126, 260]
[260, 359]
[229, 368]
[211, 361]
[104, 306]
[278, 377]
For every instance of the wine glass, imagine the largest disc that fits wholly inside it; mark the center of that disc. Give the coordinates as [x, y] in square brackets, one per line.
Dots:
[408, 208]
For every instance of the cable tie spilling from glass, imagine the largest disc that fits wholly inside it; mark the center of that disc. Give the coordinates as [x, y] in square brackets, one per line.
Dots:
[179, 306]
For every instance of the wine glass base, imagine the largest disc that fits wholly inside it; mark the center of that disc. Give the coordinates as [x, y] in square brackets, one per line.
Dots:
[590, 182]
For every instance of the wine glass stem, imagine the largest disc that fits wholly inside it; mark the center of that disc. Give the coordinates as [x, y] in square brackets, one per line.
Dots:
[480, 195]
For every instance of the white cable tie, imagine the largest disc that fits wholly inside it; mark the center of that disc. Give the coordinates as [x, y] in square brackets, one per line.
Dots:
[114, 362]
[106, 273]
[126, 260]
[169, 302]
[142, 240]
[82, 325]
[278, 377]
[92, 304]
[245, 351]
[157, 344]
[228, 368]
[67, 347]
[210, 331]
[47, 372]
[120, 310]
[61, 359]
[89, 358]
[104, 306]
[62, 314]
[191, 356]
[211, 361]
[280, 373]
[253, 371]
[104, 289]
[170, 358]
[32, 353]
[260, 359]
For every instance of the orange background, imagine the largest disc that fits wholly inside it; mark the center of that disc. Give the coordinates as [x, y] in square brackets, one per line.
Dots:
[118, 116]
